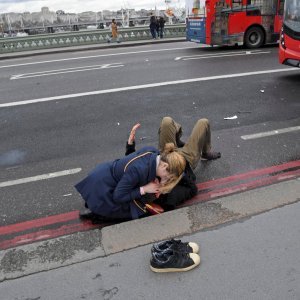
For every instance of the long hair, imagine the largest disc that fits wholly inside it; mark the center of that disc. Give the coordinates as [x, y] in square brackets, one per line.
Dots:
[176, 165]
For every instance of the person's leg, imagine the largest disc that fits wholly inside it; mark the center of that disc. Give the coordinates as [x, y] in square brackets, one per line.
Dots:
[198, 143]
[152, 32]
[169, 132]
[121, 215]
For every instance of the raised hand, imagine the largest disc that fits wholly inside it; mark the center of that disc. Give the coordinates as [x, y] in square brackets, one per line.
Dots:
[131, 138]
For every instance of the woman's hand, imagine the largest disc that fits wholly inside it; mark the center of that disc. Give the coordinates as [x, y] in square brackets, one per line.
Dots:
[151, 188]
[131, 138]
[158, 193]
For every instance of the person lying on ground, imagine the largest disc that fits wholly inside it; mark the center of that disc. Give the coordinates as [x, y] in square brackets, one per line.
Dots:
[197, 146]
[115, 190]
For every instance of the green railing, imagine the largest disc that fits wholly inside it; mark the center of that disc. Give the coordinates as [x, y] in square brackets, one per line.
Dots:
[56, 40]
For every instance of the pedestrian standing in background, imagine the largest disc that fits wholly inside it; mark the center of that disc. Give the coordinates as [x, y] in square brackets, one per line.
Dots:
[153, 26]
[114, 31]
[161, 23]
[157, 26]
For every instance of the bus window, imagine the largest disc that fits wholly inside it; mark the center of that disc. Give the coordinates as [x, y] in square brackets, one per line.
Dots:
[195, 8]
[253, 8]
[237, 5]
[292, 17]
[281, 7]
[261, 7]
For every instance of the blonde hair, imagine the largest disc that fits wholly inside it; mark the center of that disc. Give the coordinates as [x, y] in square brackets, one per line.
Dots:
[176, 166]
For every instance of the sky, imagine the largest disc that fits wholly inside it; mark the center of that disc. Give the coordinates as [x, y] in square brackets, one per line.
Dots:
[76, 6]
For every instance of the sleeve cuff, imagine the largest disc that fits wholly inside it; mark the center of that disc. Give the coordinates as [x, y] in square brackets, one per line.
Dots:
[130, 148]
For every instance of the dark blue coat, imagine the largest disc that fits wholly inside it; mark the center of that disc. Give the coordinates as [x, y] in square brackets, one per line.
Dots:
[110, 191]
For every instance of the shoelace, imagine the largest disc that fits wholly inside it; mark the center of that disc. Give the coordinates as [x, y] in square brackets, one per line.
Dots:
[169, 252]
[176, 241]
[180, 245]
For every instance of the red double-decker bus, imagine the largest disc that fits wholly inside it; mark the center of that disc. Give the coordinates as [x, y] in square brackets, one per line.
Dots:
[252, 23]
[289, 47]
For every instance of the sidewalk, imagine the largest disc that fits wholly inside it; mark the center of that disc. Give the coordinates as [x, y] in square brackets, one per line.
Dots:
[89, 47]
[257, 258]
[84, 246]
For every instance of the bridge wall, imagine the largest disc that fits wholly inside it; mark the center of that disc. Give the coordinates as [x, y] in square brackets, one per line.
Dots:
[68, 39]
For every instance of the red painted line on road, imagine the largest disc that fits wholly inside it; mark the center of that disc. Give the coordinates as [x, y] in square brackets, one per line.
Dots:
[254, 173]
[82, 226]
[38, 222]
[47, 234]
[242, 187]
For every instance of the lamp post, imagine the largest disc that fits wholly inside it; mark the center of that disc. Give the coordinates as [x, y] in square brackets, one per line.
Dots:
[1, 28]
[8, 24]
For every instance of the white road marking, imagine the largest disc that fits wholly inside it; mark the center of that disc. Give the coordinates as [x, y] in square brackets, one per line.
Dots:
[39, 177]
[63, 71]
[145, 86]
[93, 56]
[222, 54]
[67, 195]
[269, 133]
[226, 55]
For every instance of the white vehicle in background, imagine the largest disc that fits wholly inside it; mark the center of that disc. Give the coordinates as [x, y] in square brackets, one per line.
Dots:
[20, 34]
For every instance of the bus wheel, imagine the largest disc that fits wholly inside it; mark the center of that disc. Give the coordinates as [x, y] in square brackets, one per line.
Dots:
[254, 37]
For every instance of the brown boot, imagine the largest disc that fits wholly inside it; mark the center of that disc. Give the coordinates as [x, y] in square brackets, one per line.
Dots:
[210, 155]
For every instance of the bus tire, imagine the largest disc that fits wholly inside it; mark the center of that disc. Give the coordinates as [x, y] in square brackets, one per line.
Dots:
[254, 37]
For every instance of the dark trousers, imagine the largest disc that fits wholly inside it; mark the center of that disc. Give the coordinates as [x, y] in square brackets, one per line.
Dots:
[153, 32]
[161, 32]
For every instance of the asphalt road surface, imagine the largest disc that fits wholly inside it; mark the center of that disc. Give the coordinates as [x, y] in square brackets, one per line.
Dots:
[61, 114]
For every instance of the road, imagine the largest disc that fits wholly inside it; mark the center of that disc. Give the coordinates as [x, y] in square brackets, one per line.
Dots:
[61, 114]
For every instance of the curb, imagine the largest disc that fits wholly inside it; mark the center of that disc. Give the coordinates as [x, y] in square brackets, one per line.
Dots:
[87, 48]
[83, 246]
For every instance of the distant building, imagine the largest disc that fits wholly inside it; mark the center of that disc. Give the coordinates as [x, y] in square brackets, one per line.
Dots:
[67, 18]
[27, 19]
[45, 10]
[47, 18]
[60, 12]
[108, 15]
[87, 16]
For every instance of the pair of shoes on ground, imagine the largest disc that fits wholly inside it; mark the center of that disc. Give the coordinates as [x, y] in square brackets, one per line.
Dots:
[174, 256]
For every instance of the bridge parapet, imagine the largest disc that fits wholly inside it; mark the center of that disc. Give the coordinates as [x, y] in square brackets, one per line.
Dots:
[68, 39]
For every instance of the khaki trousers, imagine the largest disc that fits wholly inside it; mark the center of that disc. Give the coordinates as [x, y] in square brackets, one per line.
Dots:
[199, 141]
